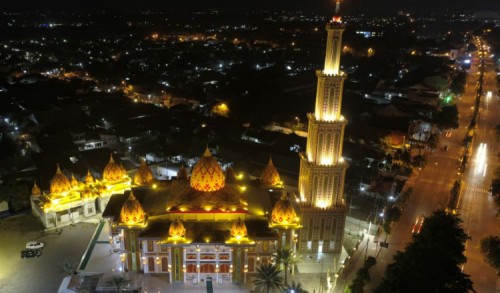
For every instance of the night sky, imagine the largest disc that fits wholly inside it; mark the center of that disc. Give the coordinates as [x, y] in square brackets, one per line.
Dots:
[349, 6]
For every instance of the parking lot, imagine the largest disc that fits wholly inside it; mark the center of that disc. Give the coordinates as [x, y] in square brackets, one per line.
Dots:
[37, 274]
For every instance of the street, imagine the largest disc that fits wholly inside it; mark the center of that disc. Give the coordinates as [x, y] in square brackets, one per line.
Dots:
[37, 274]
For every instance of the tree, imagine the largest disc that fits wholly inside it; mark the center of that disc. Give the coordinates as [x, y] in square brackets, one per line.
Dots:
[118, 281]
[267, 278]
[392, 214]
[448, 117]
[15, 192]
[431, 262]
[490, 247]
[295, 288]
[68, 266]
[286, 257]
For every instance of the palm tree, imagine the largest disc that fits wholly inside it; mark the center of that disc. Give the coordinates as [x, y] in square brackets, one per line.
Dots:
[295, 288]
[286, 257]
[68, 266]
[118, 281]
[268, 278]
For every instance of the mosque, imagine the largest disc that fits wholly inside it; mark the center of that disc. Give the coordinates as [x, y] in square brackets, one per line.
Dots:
[213, 222]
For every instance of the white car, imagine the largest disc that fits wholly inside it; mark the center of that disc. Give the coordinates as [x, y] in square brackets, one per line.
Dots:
[34, 245]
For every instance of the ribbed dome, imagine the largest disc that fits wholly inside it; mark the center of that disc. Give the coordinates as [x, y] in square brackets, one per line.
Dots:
[132, 212]
[74, 181]
[59, 183]
[177, 229]
[270, 175]
[143, 175]
[230, 175]
[36, 191]
[113, 172]
[89, 178]
[283, 212]
[182, 174]
[239, 229]
[207, 174]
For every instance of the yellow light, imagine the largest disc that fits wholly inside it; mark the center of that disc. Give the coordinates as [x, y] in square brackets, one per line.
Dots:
[155, 186]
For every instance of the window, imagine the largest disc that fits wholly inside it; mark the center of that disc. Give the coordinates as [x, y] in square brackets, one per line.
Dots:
[320, 246]
[223, 268]
[265, 246]
[309, 245]
[151, 264]
[90, 210]
[164, 264]
[207, 268]
[151, 246]
[251, 264]
[191, 268]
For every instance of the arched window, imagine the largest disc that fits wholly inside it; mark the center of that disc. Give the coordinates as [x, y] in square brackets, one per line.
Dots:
[164, 264]
[190, 268]
[223, 268]
[207, 268]
[251, 264]
[151, 264]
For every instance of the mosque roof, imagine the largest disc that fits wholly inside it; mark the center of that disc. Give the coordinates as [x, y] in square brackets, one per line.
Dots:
[36, 191]
[59, 183]
[113, 171]
[143, 175]
[270, 175]
[207, 174]
[132, 213]
[284, 213]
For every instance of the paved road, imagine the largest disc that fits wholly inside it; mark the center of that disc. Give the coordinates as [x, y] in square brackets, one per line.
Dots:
[40, 275]
[432, 186]
[477, 207]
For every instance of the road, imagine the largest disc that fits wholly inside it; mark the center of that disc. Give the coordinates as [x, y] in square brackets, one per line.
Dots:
[477, 207]
[432, 185]
[37, 274]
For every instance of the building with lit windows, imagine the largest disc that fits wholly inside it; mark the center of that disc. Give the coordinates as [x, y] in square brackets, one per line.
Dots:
[322, 167]
[72, 200]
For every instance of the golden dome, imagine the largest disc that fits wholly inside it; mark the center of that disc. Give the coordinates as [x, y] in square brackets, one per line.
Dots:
[89, 178]
[143, 175]
[74, 182]
[230, 175]
[284, 213]
[113, 172]
[182, 173]
[239, 229]
[207, 174]
[270, 175]
[132, 212]
[36, 191]
[59, 183]
[177, 229]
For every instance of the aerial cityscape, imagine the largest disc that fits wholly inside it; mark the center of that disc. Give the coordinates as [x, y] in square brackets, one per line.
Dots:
[288, 147]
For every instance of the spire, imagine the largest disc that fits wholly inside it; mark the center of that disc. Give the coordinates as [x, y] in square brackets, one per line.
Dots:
[207, 152]
[337, 7]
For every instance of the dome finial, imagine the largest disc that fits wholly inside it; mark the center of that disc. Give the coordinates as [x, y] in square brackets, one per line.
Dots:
[58, 171]
[111, 160]
[207, 152]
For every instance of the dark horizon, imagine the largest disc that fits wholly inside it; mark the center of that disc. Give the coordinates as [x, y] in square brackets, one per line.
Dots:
[347, 6]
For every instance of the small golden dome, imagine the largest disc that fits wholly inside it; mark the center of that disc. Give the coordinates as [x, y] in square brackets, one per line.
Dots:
[59, 183]
[230, 175]
[283, 212]
[207, 174]
[74, 181]
[36, 191]
[143, 175]
[239, 229]
[89, 178]
[182, 174]
[270, 175]
[176, 229]
[132, 212]
[113, 171]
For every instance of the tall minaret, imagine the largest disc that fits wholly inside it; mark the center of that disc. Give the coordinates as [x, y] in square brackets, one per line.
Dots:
[322, 168]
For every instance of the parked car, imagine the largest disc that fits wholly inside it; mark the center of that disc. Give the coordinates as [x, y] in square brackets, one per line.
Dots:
[30, 253]
[34, 245]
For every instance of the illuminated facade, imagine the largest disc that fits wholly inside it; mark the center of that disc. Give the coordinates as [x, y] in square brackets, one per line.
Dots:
[209, 223]
[322, 168]
[70, 200]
